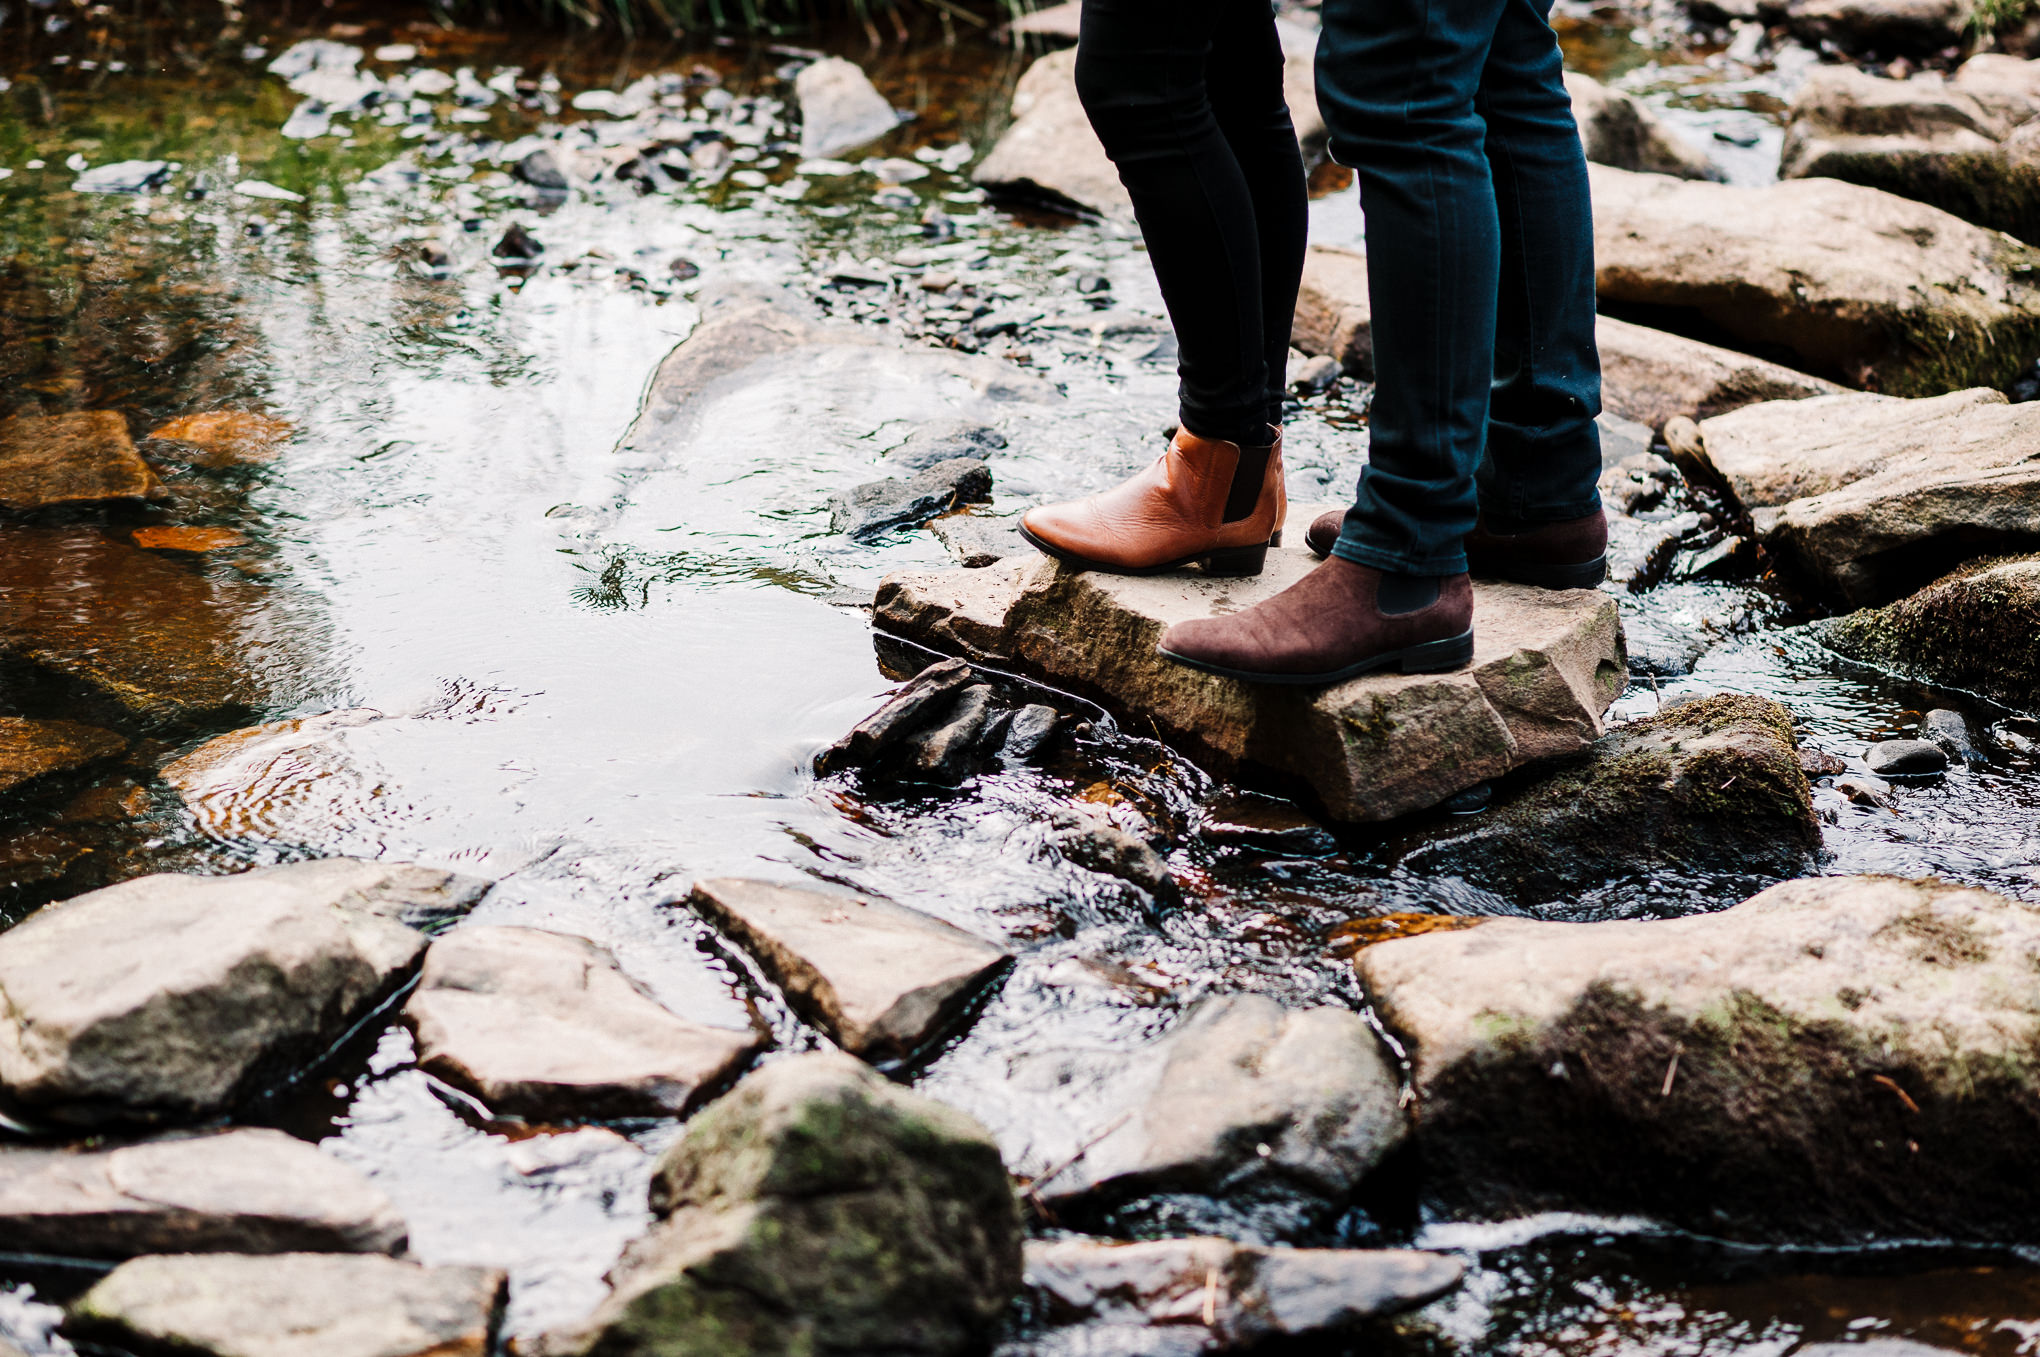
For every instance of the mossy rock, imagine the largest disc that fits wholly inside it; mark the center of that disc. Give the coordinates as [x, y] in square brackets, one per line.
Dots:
[1978, 629]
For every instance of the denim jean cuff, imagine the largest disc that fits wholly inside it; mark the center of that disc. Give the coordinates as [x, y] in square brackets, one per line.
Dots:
[1359, 553]
[1536, 516]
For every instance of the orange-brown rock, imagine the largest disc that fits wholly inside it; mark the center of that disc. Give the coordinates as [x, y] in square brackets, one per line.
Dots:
[225, 437]
[81, 458]
[33, 749]
[195, 540]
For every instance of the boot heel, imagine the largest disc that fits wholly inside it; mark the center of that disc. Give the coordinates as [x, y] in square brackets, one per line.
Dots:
[1235, 561]
[1438, 657]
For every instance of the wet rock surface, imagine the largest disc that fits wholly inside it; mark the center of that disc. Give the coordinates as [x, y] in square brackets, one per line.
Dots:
[293, 1305]
[1546, 665]
[1906, 758]
[1832, 1057]
[1978, 628]
[881, 979]
[1866, 497]
[1865, 287]
[547, 1026]
[879, 507]
[170, 998]
[1969, 144]
[224, 438]
[1087, 837]
[1617, 130]
[840, 109]
[817, 1207]
[1240, 1096]
[241, 1191]
[1711, 784]
[1205, 1294]
[85, 458]
[942, 727]
[35, 749]
[979, 542]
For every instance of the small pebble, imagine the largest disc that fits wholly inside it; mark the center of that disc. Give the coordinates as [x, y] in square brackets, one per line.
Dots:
[1865, 791]
[1093, 282]
[1906, 758]
[683, 269]
[517, 243]
[1950, 730]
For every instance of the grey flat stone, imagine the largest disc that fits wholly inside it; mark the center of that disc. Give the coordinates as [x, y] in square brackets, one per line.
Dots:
[240, 1191]
[1906, 758]
[170, 997]
[840, 109]
[293, 1305]
[878, 507]
[977, 542]
[879, 978]
[545, 1025]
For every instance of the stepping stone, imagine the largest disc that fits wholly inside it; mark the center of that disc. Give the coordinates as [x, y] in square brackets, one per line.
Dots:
[874, 1219]
[840, 109]
[881, 979]
[1546, 666]
[293, 1305]
[223, 438]
[979, 542]
[138, 630]
[1709, 784]
[1978, 629]
[1865, 287]
[1213, 1295]
[240, 1191]
[547, 1026]
[1241, 1095]
[1866, 498]
[1834, 1059]
[33, 749]
[170, 998]
[85, 458]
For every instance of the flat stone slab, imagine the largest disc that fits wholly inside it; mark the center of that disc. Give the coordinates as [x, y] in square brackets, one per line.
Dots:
[85, 458]
[1979, 629]
[881, 979]
[170, 997]
[293, 1305]
[1868, 497]
[1867, 288]
[223, 438]
[33, 749]
[1203, 1294]
[1832, 1059]
[1546, 665]
[546, 1025]
[242, 1191]
[840, 109]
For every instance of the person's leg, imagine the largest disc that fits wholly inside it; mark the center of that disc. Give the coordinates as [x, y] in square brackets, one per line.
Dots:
[1544, 452]
[1248, 99]
[1397, 84]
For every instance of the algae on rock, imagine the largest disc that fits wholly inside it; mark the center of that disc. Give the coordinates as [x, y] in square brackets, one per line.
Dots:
[1978, 628]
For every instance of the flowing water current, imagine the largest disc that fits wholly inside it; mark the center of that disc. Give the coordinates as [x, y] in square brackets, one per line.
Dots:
[596, 678]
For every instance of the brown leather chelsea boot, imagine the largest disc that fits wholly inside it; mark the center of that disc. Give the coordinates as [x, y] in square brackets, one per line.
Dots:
[1568, 555]
[1202, 501]
[1331, 626]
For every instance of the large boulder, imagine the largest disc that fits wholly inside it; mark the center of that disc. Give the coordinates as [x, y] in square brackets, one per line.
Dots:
[840, 109]
[1978, 629]
[881, 979]
[35, 749]
[1868, 497]
[816, 1208]
[51, 460]
[547, 1026]
[1886, 27]
[1865, 287]
[239, 1191]
[292, 1305]
[1617, 130]
[1050, 153]
[1203, 1294]
[1969, 145]
[1709, 785]
[1241, 1096]
[1546, 665]
[144, 635]
[1647, 375]
[169, 998]
[1833, 1059]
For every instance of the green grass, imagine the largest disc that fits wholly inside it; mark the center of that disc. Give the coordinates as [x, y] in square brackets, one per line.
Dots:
[1996, 16]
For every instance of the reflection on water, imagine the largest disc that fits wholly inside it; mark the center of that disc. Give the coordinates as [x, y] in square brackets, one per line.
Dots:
[449, 612]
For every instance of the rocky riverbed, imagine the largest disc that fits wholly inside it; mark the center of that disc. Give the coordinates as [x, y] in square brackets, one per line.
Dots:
[544, 806]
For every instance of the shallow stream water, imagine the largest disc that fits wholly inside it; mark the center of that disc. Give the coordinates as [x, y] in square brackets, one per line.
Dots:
[596, 679]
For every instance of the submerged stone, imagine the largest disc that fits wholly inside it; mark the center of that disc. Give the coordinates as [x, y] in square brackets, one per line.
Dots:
[816, 1208]
[85, 458]
[916, 703]
[123, 176]
[1204, 1294]
[1835, 1059]
[293, 1305]
[878, 507]
[170, 998]
[1546, 665]
[1865, 287]
[840, 109]
[247, 1190]
[33, 749]
[1906, 758]
[1086, 837]
[881, 979]
[1866, 497]
[1711, 784]
[222, 438]
[1978, 628]
[547, 1026]
[196, 541]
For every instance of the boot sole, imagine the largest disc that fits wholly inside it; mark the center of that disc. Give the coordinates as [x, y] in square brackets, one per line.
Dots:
[1583, 575]
[1221, 562]
[1431, 657]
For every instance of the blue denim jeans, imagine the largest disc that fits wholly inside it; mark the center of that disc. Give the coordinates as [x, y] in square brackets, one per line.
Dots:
[1480, 261]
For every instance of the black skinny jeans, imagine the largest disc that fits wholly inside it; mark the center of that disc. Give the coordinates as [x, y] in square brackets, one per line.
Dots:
[1186, 95]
